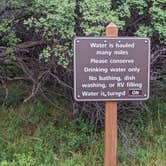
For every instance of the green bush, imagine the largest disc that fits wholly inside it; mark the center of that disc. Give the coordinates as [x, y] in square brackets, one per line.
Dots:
[58, 22]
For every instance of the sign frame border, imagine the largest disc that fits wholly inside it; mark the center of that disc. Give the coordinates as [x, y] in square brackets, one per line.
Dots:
[116, 99]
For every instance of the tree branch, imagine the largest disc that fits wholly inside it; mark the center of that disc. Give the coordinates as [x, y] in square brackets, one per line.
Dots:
[30, 44]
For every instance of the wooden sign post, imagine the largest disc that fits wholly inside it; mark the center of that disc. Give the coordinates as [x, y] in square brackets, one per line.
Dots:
[111, 117]
[111, 69]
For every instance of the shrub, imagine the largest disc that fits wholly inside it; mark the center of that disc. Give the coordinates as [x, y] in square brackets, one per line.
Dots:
[36, 36]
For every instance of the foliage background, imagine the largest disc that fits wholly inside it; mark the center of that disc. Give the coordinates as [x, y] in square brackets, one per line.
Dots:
[36, 66]
[36, 46]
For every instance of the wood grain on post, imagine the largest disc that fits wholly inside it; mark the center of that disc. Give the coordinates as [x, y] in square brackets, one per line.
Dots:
[111, 117]
[112, 30]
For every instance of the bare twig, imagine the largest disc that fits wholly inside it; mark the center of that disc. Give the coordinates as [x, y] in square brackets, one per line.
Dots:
[60, 81]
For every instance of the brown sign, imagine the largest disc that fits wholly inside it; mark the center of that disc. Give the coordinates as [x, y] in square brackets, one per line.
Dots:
[111, 68]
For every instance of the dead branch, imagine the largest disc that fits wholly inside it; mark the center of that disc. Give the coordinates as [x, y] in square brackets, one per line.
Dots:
[30, 44]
